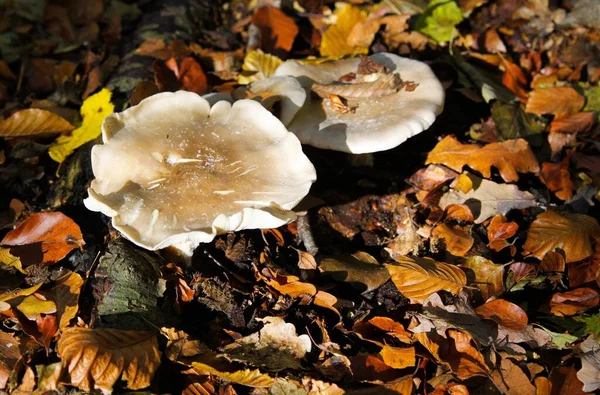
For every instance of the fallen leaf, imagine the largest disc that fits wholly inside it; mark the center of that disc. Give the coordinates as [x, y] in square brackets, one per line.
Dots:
[371, 368]
[44, 238]
[33, 121]
[398, 357]
[488, 198]
[247, 377]
[514, 79]
[258, 66]
[157, 48]
[96, 358]
[494, 44]
[573, 233]
[463, 357]
[9, 355]
[189, 73]
[392, 328]
[49, 377]
[277, 30]
[563, 380]
[504, 313]
[334, 43]
[557, 178]
[94, 109]
[142, 90]
[555, 262]
[511, 380]
[509, 157]
[439, 20]
[457, 240]
[589, 374]
[513, 122]
[557, 100]
[360, 269]
[418, 278]
[450, 389]
[65, 293]
[572, 124]
[573, 302]
[485, 275]
[584, 271]
[33, 307]
[8, 259]
[499, 231]
[276, 346]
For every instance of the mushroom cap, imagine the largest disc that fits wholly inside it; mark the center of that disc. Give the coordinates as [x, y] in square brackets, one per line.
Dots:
[378, 123]
[174, 171]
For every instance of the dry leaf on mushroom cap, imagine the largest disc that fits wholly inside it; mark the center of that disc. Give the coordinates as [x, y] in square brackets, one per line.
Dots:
[174, 171]
[381, 110]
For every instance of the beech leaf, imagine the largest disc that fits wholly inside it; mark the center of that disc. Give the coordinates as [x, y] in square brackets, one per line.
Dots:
[96, 358]
[419, 278]
[439, 20]
[258, 66]
[556, 100]
[504, 313]
[277, 30]
[247, 377]
[485, 275]
[334, 43]
[33, 121]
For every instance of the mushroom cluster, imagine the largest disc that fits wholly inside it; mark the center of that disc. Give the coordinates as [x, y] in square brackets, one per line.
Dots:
[174, 171]
[179, 169]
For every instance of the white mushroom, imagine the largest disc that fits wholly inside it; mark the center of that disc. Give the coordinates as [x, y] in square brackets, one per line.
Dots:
[175, 172]
[378, 113]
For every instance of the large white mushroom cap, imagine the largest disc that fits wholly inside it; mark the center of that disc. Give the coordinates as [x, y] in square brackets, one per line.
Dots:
[175, 172]
[376, 123]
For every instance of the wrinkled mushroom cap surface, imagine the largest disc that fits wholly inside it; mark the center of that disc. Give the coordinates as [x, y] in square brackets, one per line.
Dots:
[175, 172]
[378, 123]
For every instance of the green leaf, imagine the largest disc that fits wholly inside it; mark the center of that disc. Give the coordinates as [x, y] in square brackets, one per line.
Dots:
[592, 99]
[561, 340]
[513, 122]
[591, 325]
[439, 20]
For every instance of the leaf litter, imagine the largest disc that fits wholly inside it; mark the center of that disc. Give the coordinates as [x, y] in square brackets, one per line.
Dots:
[464, 261]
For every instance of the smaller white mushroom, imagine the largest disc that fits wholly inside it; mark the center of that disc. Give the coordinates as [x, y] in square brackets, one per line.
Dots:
[362, 111]
[174, 171]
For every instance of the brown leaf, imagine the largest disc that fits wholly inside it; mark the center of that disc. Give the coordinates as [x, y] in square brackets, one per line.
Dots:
[457, 239]
[65, 293]
[9, 355]
[398, 357]
[247, 377]
[142, 90]
[557, 178]
[554, 262]
[306, 261]
[511, 380]
[563, 380]
[157, 48]
[516, 81]
[189, 73]
[493, 42]
[371, 368]
[418, 278]
[558, 100]
[97, 358]
[360, 269]
[509, 157]
[504, 313]
[499, 230]
[450, 389]
[277, 30]
[572, 124]
[44, 238]
[570, 232]
[427, 178]
[585, 271]
[464, 358]
[391, 328]
[485, 275]
[572, 302]
[33, 121]
[6, 72]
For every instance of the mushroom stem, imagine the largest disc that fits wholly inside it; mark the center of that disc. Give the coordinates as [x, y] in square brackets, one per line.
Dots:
[361, 160]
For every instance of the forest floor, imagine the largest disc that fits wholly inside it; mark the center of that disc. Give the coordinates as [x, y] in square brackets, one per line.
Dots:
[465, 260]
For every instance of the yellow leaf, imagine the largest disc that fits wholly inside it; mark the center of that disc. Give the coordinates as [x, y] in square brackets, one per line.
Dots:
[8, 259]
[33, 307]
[33, 121]
[96, 358]
[418, 278]
[65, 293]
[247, 377]
[334, 43]
[258, 66]
[5, 297]
[94, 109]
[398, 357]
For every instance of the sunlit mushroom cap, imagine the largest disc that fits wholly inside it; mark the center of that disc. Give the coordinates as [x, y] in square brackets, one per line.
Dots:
[175, 172]
[375, 123]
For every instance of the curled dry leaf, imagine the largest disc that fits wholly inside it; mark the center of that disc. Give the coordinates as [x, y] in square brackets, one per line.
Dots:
[464, 358]
[515, 80]
[258, 66]
[556, 100]
[589, 374]
[557, 178]
[573, 233]
[486, 198]
[457, 239]
[485, 275]
[554, 262]
[334, 43]
[44, 238]
[392, 328]
[504, 313]
[33, 121]
[511, 380]
[360, 269]
[509, 157]
[418, 278]
[9, 355]
[247, 377]
[96, 358]
[573, 302]
[65, 293]
[277, 30]
[499, 230]
[584, 271]
[563, 380]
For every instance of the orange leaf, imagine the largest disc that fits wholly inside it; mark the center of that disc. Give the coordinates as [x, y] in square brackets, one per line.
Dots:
[190, 74]
[569, 232]
[557, 178]
[464, 360]
[509, 157]
[557, 100]
[504, 313]
[398, 357]
[392, 328]
[555, 262]
[585, 271]
[277, 30]
[563, 380]
[516, 81]
[44, 238]
[33, 121]
[457, 240]
[572, 302]
[510, 379]
[499, 231]
[579, 122]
